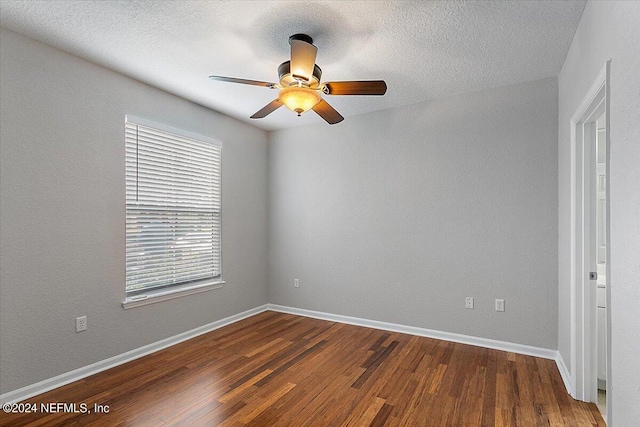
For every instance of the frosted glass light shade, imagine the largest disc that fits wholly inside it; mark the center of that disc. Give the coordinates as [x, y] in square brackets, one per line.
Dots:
[299, 99]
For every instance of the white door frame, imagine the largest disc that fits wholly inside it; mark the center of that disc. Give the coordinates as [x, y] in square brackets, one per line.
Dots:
[583, 291]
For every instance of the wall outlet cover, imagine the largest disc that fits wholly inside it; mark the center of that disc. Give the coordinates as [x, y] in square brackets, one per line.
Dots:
[81, 324]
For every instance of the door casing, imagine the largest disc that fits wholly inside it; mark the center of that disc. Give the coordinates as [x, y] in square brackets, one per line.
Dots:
[584, 377]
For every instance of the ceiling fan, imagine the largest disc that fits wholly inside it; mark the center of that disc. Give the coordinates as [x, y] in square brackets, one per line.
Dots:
[300, 87]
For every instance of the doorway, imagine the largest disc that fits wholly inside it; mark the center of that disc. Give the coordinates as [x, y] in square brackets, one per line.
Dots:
[590, 292]
[600, 249]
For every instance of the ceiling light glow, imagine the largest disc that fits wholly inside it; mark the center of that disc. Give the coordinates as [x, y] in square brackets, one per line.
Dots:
[299, 99]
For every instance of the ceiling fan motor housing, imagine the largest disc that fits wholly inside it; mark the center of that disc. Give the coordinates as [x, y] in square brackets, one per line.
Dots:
[302, 37]
[287, 79]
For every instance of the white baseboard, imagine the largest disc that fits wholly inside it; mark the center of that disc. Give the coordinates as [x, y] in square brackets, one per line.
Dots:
[564, 372]
[544, 353]
[94, 368]
[78, 374]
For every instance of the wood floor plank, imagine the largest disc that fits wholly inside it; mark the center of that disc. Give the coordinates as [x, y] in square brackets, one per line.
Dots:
[280, 369]
[238, 390]
[268, 402]
[276, 369]
[371, 409]
[264, 347]
[373, 364]
[382, 416]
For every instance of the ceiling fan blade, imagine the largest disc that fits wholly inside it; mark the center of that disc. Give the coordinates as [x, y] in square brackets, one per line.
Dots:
[267, 109]
[303, 58]
[327, 112]
[363, 87]
[244, 81]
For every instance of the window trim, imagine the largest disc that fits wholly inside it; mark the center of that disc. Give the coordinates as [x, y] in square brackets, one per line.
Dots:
[170, 293]
[175, 291]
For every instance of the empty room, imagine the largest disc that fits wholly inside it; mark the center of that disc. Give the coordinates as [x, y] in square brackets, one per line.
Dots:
[320, 213]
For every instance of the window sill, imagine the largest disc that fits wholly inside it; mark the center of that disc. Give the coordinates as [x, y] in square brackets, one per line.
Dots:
[154, 297]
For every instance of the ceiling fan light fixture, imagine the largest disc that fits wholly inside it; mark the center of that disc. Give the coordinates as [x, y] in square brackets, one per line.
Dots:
[299, 99]
[300, 87]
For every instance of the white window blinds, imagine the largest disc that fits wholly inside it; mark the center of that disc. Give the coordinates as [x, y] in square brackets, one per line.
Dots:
[173, 208]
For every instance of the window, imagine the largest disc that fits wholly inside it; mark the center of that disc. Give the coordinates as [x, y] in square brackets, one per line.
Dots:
[173, 212]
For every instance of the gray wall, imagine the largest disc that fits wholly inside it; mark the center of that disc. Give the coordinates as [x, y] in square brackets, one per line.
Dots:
[608, 30]
[62, 214]
[398, 215]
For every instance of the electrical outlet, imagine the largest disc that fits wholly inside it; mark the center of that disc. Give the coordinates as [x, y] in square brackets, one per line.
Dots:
[81, 324]
[296, 283]
[468, 302]
[499, 305]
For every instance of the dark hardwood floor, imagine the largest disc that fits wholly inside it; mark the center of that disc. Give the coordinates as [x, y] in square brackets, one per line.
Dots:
[277, 369]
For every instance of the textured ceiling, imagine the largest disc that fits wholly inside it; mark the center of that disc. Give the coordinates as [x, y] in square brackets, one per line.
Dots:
[423, 49]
